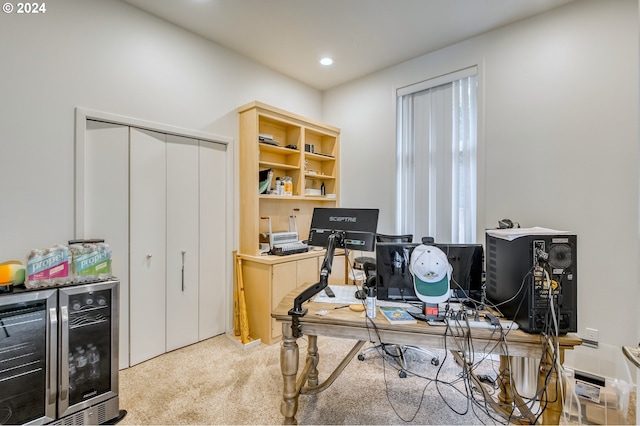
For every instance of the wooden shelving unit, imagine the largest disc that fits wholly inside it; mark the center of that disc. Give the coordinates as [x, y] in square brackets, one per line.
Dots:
[268, 278]
[307, 170]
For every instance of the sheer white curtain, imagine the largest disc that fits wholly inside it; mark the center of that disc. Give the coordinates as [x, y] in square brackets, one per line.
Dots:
[436, 158]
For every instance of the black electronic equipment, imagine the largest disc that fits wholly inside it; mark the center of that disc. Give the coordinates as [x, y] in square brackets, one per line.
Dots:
[357, 226]
[395, 282]
[517, 281]
[393, 278]
[507, 224]
[289, 248]
[335, 228]
[467, 261]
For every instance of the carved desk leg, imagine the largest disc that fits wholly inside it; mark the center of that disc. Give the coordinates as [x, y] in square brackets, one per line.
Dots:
[506, 390]
[312, 354]
[551, 415]
[289, 358]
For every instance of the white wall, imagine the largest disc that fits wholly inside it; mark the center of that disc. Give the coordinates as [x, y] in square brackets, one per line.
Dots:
[111, 57]
[558, 123]
[558, 135]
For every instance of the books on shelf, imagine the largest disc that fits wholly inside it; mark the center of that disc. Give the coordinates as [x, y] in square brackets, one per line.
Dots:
[397, 315]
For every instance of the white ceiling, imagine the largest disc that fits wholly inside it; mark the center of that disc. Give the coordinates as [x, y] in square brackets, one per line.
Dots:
[362, 36]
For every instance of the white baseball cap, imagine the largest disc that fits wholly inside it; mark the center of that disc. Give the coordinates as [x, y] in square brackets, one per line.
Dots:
[431, 273]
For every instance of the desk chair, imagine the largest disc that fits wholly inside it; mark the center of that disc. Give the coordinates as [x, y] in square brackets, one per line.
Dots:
[368, 264]
[399, 349]
[384, 238]
[369, 280]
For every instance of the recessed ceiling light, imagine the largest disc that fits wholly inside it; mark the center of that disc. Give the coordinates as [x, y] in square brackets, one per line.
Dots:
[326, 61]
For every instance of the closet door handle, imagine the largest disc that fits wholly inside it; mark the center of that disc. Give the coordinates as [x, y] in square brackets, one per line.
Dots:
[183, 253]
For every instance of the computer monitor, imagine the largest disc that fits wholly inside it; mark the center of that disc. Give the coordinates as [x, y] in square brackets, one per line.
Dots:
[395, 282]
[356, 226]
[333, 228]
[393, 278]
[467, 261]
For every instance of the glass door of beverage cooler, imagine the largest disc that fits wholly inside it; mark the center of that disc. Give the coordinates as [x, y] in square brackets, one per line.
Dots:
[28, 375]
[89, 345]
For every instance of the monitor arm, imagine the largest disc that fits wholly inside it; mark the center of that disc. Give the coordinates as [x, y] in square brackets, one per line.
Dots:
[336, 239]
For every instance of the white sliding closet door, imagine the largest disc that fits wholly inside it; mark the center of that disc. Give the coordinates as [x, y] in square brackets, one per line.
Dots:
[213, 227]
[160, 201]
[182, 241]
[147, 259]
[106, 206]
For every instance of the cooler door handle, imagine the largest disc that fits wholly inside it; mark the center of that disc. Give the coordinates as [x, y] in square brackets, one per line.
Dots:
[64, 382]
[53, 354]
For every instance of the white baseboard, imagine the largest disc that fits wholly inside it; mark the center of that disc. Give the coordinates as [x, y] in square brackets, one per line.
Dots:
[237, 341]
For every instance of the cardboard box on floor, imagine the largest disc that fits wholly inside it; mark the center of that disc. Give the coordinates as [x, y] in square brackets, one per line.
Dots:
[600, 415]
[607, 405]
[615, 385]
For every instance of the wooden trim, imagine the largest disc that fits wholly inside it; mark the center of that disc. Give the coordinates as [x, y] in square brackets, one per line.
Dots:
[283, 115]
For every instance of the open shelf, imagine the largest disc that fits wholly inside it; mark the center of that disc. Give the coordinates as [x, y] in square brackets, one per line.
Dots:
[307, 170]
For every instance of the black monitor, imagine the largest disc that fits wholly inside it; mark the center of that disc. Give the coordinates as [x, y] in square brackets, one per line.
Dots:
[393, 278]
[333, 228]
[357, 227]
[395, 282]
[467, 261]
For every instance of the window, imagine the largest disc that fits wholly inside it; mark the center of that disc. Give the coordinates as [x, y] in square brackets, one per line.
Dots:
[437, 158]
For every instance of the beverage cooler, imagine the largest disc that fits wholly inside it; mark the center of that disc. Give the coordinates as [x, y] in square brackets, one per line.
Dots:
[59, 355]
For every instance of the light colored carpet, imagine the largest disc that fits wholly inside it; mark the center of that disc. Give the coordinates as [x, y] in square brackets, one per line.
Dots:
[219, 382]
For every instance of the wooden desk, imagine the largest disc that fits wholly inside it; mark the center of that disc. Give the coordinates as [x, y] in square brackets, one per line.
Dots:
[344, 323]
